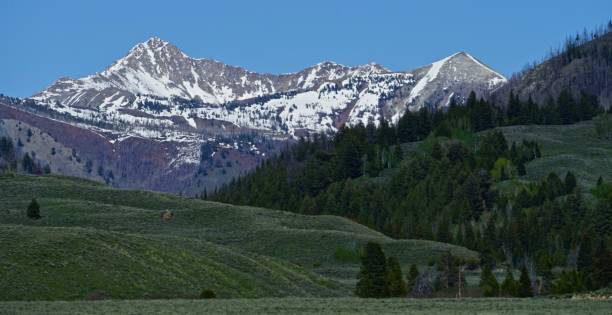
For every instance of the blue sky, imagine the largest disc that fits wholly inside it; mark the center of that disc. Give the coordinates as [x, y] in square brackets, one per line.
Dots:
[41, 41]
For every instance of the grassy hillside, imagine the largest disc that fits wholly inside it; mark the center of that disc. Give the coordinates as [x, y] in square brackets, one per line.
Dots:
[316, 306]
[324, 244]
[51, 263]
[568, 147]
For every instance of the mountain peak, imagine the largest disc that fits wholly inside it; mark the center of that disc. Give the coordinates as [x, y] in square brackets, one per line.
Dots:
[153, 43]
[327, 64]
[480, 63]
[153, 51]
[373, 67]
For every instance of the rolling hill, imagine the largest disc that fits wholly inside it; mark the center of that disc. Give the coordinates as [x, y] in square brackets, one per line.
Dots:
[57, 263]
[119, 236]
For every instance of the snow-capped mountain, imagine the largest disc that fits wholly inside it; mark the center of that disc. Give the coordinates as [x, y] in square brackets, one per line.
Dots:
[159, 119]
[156, 84]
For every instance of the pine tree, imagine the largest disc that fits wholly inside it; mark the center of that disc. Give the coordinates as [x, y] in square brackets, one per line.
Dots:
[28, 164]
[396, 286]
[412, 275]
[502, 174]
[567, 107]
[436, 151]
[397, 154]
[423, 126]
[489, 240]
[486, 256]
[470, 239]
[570, 182]
[538, 154]
[308, 206]
[450, 266]
[508, 286]
[602, 218]
[554, 186]
[471, 189]
[569, 282]
[599, 181]
[584, 263]
[521, 168]
[522, 200]
[443, 234]
[514, 155]
[488, 283]
[513, 108]
[524, 284]
[372, 276]
[602, 266]
[33, 211]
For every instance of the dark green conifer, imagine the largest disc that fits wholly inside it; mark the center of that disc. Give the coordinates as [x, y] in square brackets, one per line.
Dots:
[508, 286]
[521, 168]
[412, 275]
[602, 266]
[524, 284]
[488, 283]
[372, 276]
[570, 182]
[396, 287]
[33, 211]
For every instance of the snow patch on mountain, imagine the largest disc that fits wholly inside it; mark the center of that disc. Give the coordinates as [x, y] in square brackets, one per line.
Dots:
[431, 75]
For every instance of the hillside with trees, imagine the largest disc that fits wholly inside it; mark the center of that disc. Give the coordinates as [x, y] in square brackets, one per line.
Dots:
[461, 182]
[582, 65]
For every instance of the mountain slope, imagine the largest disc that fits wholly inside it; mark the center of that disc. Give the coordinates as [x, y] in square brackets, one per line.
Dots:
[186, 164]
[583, 66]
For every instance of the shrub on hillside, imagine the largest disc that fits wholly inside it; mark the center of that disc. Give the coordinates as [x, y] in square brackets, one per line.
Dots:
[207, 294]
[33, 211]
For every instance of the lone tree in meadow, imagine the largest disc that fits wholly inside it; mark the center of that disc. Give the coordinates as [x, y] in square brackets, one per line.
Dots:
[33, 211]
[372, 276]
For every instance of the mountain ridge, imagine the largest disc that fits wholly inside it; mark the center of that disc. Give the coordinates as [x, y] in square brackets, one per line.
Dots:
[203, 122]
[158, 68]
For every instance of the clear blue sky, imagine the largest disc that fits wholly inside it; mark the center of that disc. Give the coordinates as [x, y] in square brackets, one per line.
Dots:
[41, 41]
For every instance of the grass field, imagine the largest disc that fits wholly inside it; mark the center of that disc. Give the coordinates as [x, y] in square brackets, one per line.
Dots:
[314, 306]
[76, 263]
[94, 239]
